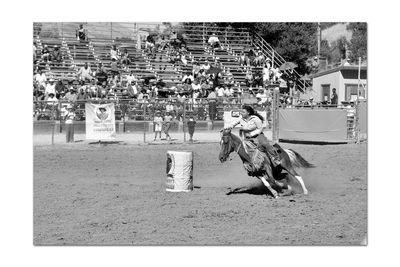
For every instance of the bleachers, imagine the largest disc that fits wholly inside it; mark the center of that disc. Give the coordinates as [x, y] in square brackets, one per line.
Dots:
[103, 35]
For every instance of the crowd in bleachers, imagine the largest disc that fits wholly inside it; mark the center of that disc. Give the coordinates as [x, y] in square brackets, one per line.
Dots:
[203, 79]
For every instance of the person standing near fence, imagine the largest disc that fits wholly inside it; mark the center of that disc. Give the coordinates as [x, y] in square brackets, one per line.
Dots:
[191, 126]
[69, 124]
[158, 122]
[167, 125]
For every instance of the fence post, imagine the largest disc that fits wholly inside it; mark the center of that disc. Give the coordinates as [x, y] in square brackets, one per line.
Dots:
[275, 116]
[144, 122]
[184, 120]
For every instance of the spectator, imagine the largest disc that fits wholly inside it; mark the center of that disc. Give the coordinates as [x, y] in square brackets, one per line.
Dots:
[59, 88]
[266, 74]
[311, 102]
[212, 105]
[71, 95]
[93, 88]
[262, 96]
[259, 60]
[249, 78]
[82, 96]
[81, 33]
[196, 69]
[243, 59]
[114, 68]
[214, 41]
[45, 53]
[114, 53]
[334, 98]
[85, 73]
[191, 126]
[290, 78]
[229, 76]
[125, 57]
[229, 91]
[131, 78]
[101, 75]
[132, 89]
[169, 107]
[158, 122]
[50, 88]
[258, 79]
[196, 86]
[52, 99]
[206, 66]
[69, 124]
[41, 78]
[188, 78]
[220, 91]
[56, 55]
[34, 52]
[167, 125]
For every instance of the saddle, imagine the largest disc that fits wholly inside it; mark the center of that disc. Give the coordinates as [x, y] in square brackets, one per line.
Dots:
[251, 146]
[257, 157]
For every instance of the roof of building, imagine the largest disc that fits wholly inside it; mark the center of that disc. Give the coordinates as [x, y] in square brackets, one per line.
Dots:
[339, 68]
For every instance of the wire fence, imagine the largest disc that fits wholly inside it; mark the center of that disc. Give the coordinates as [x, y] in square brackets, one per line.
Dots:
[135, 118]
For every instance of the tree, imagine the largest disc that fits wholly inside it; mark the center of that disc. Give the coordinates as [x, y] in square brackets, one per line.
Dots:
[295, 42]
[358, 42]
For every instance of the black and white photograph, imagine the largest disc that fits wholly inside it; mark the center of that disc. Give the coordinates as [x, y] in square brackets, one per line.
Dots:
[200, 133]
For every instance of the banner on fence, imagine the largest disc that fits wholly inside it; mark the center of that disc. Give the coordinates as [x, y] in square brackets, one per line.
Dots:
[233, 115]
[100, 121]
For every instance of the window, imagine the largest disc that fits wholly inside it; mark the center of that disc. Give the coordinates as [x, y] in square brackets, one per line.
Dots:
[326, 90]
[351, 91]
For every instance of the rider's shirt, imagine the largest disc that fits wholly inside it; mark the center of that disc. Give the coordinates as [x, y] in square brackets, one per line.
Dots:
[251, 126]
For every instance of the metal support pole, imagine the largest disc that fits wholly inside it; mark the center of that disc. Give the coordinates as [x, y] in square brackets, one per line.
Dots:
[275, 116]
[52, 132]
[144, 123]
[357, 128]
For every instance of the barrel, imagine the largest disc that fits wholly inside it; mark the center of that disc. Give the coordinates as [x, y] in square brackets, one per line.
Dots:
[179, 171]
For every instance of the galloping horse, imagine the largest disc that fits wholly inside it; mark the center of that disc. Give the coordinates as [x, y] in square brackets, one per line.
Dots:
[261, 165]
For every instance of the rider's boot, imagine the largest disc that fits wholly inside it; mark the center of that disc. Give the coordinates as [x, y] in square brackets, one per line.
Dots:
[274, 156]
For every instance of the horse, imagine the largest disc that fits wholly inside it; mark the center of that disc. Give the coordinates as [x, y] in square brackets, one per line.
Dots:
[260, 165]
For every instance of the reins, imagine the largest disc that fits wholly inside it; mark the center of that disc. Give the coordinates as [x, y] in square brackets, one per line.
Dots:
[237, 151]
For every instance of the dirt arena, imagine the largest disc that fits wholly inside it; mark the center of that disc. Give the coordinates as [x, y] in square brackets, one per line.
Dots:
[115, 195]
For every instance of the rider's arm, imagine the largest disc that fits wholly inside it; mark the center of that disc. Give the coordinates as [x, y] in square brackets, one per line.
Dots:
[249, 126]
[233, 124]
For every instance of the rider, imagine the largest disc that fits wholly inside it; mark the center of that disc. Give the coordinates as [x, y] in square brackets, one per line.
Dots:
[252, 127]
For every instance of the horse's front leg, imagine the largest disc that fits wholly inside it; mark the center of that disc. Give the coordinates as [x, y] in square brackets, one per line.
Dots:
[239, 190]
[266, 183]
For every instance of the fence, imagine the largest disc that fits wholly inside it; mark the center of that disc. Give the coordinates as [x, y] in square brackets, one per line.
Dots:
[135, 117]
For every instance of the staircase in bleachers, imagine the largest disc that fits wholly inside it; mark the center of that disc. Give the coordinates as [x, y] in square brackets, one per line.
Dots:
[234, 40]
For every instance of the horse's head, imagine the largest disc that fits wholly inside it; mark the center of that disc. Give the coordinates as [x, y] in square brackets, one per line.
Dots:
[226, 145]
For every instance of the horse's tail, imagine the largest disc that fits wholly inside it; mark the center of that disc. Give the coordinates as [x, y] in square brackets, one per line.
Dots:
[297, 160]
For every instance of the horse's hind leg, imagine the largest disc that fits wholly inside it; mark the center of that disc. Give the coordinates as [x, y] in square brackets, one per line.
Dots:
[287, 166]
[266, 183]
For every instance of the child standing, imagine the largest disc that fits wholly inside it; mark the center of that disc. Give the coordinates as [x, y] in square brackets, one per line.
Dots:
[167, 125]
[158, 122]
[69, 124]
[191, 125]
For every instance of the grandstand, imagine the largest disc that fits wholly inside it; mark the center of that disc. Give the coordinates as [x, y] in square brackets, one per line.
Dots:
[101, 36]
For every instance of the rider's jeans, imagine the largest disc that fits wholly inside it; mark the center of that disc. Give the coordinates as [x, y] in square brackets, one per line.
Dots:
[264, 145]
